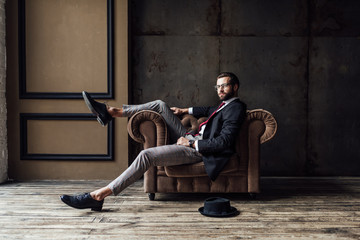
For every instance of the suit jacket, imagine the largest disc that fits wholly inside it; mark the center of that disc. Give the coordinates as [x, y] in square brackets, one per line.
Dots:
[218, 143]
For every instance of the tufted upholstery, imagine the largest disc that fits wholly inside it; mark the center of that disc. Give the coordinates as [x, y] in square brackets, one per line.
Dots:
[241, 174]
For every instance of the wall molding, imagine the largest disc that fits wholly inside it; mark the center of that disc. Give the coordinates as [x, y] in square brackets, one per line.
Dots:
[24, 155]
[3, 107]
[24, 94]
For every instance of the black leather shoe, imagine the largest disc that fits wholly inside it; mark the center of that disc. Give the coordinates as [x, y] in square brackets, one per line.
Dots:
[99, 109]
[82, 201]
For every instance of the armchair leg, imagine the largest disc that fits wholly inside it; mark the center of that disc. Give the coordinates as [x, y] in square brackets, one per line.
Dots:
[252, 196]
[151, 196]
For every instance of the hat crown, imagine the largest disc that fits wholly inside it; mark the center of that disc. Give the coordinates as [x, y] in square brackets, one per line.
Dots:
[217, 206]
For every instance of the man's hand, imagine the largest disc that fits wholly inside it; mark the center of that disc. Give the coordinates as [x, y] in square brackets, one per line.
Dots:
[179, 111]
[183, 142]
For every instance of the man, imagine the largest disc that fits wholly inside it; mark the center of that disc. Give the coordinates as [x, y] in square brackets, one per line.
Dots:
[214, 143]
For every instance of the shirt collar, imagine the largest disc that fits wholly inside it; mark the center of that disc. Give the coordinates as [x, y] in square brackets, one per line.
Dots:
[227, 102]
[230, 100]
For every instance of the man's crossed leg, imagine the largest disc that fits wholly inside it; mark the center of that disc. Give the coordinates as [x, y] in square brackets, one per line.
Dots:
[168, 155]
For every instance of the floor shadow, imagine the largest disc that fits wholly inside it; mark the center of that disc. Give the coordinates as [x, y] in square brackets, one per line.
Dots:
[275, 188]
[288, 187]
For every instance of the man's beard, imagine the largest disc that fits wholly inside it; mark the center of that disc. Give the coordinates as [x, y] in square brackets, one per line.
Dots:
[227, 96]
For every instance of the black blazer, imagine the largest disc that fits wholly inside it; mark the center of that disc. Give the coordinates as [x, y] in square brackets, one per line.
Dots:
[218, 143]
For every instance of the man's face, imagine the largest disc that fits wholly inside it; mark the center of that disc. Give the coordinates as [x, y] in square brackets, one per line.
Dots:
[227, 92]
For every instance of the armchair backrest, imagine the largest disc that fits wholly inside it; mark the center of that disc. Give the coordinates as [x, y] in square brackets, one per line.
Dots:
[258, 123]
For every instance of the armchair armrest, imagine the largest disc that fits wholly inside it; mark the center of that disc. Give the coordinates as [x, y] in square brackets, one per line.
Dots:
[262, 127]
[148, 125]
[269, 121]
[149, 128]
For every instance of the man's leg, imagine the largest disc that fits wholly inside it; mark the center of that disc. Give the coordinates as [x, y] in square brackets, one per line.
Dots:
[176, 129]
[105, 114]
[168, 155]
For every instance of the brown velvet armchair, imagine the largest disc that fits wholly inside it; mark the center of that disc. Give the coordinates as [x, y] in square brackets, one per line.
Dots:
[240, 175]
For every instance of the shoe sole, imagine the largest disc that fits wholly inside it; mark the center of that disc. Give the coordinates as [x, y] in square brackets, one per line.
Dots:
[97, 209]
[100, 121]
[88, 104]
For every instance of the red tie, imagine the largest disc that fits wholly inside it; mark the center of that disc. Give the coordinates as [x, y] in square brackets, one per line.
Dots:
[202, 124]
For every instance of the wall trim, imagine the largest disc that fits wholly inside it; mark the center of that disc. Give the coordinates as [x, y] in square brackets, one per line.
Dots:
[24, 155]
[24, 94]
[3, 107]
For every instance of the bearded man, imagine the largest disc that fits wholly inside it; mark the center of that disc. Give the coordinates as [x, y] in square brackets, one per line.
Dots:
[214, 143]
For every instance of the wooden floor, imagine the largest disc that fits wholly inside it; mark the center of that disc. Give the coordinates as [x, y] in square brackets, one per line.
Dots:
[288, 208]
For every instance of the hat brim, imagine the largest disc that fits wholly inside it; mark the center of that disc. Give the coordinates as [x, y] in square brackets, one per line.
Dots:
[232, 213]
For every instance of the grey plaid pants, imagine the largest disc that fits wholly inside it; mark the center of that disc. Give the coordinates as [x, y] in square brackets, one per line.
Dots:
[168, 155]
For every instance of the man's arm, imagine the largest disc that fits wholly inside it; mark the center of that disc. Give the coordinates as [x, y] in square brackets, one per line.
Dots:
[202, 111]
[196, 111]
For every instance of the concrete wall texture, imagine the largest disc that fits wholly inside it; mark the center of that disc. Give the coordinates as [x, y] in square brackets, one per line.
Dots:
[3, 129]
[298, 59]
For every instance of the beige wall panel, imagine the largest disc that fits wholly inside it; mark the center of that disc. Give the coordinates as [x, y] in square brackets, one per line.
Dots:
[46, 169]
[66, 137]
[66, 45]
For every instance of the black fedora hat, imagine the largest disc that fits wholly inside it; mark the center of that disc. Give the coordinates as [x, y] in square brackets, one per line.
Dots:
[218, 207]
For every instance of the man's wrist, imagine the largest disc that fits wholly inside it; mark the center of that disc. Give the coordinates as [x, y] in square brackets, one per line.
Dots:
[196, 145]
[191, 143]
[190, 111]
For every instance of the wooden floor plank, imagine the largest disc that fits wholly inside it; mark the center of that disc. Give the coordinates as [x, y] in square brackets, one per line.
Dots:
[287, 208]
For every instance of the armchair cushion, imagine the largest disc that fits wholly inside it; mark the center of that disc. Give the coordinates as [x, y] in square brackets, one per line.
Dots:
[198, 169]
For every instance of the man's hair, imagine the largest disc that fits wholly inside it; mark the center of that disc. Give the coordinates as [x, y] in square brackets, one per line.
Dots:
[233, 78]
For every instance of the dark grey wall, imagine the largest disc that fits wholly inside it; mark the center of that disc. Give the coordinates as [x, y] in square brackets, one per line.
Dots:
[298, 59]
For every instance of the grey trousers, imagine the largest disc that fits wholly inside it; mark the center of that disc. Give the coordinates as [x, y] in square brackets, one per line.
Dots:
[168, 155]
[176, 129]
